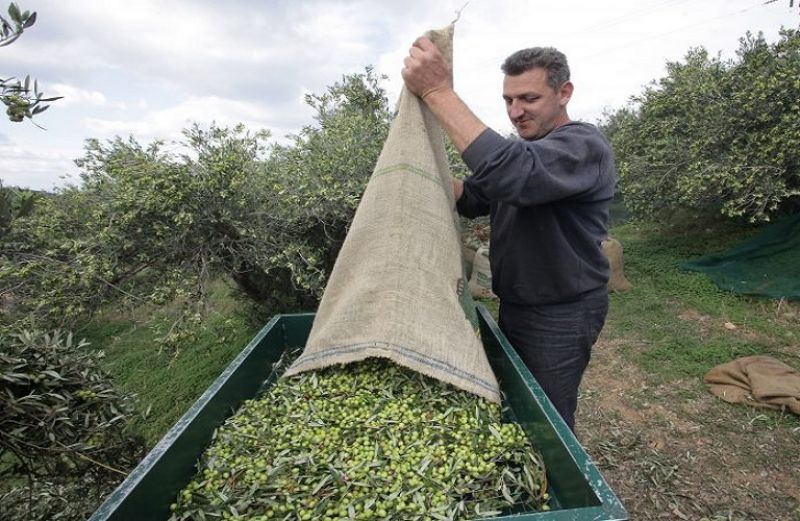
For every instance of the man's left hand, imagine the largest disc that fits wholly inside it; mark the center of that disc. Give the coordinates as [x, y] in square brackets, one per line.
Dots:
[458, 188]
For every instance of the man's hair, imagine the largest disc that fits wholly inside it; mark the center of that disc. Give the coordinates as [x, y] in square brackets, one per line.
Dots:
[548, 58]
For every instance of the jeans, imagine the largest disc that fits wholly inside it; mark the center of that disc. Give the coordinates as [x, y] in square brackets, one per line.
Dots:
[555, 343]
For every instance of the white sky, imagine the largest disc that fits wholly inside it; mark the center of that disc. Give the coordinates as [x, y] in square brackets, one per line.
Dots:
[150, 68]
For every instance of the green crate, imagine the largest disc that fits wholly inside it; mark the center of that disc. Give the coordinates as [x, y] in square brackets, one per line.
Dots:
[577, 489]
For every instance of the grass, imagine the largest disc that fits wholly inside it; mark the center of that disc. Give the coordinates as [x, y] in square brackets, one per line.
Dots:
[679, 324]
[166, 383]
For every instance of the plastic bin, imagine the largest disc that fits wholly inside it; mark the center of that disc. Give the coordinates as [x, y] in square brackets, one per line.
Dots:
[577, 489]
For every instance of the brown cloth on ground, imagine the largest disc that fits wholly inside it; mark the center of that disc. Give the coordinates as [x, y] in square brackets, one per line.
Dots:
[760, 381]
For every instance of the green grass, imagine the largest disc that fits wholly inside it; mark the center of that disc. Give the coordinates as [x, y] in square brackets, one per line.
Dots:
[672, 323]
[166, 383]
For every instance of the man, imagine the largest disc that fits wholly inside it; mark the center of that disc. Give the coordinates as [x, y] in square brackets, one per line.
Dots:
[547, 195]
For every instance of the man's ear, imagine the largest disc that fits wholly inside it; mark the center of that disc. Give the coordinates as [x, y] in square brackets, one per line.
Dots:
[565, 93]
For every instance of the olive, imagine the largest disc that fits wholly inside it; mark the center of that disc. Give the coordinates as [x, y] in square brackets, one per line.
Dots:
[368, 440]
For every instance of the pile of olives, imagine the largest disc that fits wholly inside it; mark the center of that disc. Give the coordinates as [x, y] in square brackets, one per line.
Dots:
[365, 441]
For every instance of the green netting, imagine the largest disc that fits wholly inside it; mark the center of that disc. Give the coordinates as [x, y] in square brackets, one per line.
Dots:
[767, 264]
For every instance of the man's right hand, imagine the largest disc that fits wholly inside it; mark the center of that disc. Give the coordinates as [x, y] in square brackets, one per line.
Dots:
[425, 70]
[427, 75]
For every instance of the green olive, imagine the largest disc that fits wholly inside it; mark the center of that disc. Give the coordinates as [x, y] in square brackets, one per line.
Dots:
[368, 440]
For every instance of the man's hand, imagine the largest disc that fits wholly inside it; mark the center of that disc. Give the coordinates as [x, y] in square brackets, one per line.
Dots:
[427, 75]
[458, 188]
[425, 70]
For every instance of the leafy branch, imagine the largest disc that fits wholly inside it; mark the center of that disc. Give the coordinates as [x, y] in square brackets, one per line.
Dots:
[22, 100]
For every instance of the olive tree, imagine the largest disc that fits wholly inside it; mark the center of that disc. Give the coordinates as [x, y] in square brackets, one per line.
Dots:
[321, 175]
[715, 135]
[148, 225]
[143, 225]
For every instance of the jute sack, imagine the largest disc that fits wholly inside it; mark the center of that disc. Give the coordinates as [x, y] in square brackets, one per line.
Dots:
[617, 280]
[480, 282]
[760, 381]
[395, 287]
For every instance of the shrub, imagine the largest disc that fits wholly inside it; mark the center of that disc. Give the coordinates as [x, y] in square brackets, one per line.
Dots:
[62, 427]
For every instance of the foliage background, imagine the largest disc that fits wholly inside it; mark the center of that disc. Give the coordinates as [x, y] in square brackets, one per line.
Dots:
[715, 136]
[152, 231]
[168, 261]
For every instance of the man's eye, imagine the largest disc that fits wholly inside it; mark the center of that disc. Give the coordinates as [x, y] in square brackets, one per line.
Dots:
[530, 99]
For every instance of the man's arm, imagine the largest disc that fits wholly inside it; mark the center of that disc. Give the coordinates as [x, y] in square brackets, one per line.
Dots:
[426, 74]
[455, 117]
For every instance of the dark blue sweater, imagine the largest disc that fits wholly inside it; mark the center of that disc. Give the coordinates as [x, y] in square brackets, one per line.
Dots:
[548, 201]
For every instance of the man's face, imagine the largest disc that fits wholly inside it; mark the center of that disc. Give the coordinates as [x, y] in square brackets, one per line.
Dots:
[533, 106]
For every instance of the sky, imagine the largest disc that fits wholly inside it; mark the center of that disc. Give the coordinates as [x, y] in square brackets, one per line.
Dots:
[148, 69]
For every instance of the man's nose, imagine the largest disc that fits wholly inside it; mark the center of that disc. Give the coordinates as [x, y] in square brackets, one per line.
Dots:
[515, 109]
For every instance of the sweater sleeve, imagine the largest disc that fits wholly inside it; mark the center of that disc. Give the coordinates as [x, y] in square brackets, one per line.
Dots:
[562, 165]
[472, 203]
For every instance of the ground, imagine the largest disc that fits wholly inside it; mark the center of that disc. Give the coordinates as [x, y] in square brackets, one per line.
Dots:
[675, 451]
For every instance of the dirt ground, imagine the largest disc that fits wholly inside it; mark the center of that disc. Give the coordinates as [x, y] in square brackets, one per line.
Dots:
[675, 451]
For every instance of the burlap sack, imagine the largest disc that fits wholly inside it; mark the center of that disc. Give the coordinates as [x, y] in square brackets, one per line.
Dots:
[617, 280]
[480, 282]
[759, 381]
[394, 289]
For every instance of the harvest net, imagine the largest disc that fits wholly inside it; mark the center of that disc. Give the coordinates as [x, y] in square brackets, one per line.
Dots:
[767, 264]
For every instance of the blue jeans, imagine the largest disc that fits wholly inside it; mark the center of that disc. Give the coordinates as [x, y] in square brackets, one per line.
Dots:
[555, 342]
